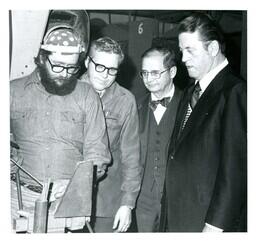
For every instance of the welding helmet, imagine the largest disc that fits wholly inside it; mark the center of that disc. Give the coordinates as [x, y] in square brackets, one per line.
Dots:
[67, 31]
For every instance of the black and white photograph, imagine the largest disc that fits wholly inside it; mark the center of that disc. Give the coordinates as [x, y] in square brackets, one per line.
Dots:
[128, 120]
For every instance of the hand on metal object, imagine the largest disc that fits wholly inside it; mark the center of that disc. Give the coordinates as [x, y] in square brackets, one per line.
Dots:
[58, 189]
[100, 173]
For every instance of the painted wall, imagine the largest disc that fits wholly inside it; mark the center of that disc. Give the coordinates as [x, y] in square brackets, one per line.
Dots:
[26, 35]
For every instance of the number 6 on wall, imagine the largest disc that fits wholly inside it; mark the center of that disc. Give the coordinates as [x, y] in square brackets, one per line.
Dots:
[140, 28]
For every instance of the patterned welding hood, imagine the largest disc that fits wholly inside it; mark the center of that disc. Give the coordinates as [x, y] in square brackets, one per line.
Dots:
[61, 25]
[62, 40]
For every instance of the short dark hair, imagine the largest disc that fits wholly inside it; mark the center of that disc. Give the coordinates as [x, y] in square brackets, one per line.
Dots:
[208, 29]
[169, 55]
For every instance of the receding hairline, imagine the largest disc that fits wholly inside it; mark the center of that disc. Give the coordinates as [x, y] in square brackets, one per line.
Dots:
[153, 53]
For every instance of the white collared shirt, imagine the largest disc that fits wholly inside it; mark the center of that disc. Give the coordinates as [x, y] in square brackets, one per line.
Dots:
[206, 80]
[160, 110]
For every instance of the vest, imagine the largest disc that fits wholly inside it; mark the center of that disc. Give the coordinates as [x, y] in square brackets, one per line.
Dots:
[158, 139]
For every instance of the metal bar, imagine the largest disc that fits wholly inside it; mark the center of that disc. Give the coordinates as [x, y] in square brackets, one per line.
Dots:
[30, 175]
[130, 17]
[19, 190]
[40, 216]
[88, 226]
[109, 18]
[163, 28]
[135, 16]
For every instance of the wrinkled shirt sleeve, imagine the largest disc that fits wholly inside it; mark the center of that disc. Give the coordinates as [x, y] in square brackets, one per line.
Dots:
[130, 158]
[96, 146]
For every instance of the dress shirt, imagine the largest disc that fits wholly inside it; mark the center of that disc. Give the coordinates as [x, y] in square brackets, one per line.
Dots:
[160, 110]
[206, 80]
[55, 132]
[211, 228]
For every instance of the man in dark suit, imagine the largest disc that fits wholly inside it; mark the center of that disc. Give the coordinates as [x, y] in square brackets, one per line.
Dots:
[157, 112]
[206, 188]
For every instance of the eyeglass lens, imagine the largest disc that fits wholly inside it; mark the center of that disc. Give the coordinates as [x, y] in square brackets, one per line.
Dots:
[59, 68]
[101, 68]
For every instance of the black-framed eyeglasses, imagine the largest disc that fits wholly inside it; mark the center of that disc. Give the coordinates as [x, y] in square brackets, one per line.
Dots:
[101, 68]
[155, 74]
[58, 68]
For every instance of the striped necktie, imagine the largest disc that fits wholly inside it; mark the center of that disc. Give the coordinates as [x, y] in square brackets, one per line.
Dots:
[195, 95]
[194, 98]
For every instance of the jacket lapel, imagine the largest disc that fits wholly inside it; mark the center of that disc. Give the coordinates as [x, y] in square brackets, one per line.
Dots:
[143, 110]
[208, 98]
[173, 107]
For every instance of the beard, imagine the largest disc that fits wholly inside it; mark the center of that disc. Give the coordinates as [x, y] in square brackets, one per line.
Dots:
[60, 86]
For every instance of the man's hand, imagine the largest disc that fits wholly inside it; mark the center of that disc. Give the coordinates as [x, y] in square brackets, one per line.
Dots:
[58, 189]
[100, 173]
[123, 219]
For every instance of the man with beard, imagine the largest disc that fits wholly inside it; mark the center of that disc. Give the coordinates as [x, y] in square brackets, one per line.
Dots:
[56, 120]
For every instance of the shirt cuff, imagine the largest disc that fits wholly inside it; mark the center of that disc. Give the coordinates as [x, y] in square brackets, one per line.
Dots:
[214, 228]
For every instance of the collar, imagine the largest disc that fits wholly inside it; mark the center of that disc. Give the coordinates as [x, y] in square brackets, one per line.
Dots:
[168, 94]
[33, 79]
[109, 92]
[206, 80]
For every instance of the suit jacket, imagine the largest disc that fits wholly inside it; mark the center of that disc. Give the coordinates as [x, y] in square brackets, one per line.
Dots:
[143, 111]
[207, 164]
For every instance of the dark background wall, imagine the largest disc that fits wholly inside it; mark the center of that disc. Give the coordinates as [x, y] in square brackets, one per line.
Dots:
[138, 30]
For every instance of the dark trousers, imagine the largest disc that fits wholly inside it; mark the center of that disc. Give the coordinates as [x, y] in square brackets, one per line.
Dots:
[148, 210]
[103, 224]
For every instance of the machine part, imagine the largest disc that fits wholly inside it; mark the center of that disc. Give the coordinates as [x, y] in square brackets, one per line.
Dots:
[40, 216]
[41, 210]
[77, 199]
[25, 171]
[89, 226]
[19, 190]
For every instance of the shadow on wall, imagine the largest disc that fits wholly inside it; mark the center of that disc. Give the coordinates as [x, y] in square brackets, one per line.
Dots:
[96, 26]
[233, 47]
[181, 79]
[127, 73]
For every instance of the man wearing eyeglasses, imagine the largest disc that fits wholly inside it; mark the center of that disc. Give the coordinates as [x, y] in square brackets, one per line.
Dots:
[56, 120]
[157, 112]
[206, 178]
[117, 192]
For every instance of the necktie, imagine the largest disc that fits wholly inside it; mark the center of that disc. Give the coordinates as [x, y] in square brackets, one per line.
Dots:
[194, 98]
[195, 95]
[164, 102]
